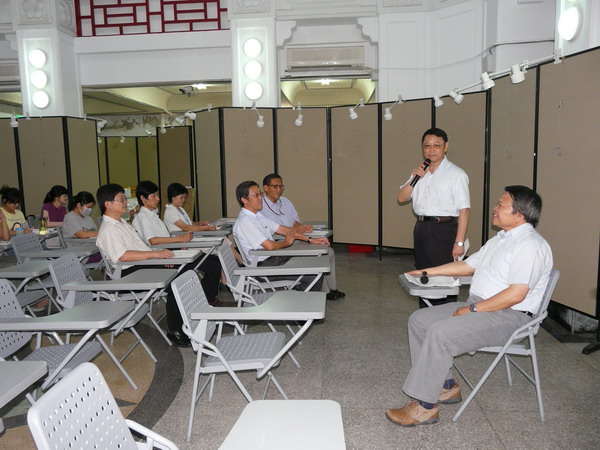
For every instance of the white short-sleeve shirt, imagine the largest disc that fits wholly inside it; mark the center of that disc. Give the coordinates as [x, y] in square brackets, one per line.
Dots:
[148, 225]
[172, 215]
[251, 230]
[116, 237]
[282, 211]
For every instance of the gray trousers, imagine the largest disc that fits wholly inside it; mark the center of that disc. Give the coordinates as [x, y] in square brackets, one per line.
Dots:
[330, 281]
[436, 337]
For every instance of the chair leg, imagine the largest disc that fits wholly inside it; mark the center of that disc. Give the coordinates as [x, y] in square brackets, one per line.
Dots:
[292, 357]
[116, 361]
[143, 343]
[464, 377]
[157, 326]
[194, 399]
[277, 385]
[508, 371]
[536, 376]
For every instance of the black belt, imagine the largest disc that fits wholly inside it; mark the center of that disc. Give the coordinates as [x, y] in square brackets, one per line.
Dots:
[530, 314]
[438, 219]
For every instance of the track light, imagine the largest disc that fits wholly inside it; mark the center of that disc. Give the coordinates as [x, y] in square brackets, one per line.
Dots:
[487, 82]
[517, 75]
[352, 111]
[190, 115]
[122, 140]
[99, 140]
[261, 120]
[181, 120]
[457, 96]
[163, 130]
[298, 121]
[13, 121]
[148, 133]
[437, 101]
[388, 111]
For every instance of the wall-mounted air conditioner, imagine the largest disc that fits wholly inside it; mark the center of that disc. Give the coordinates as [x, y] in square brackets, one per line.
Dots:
[324, 59]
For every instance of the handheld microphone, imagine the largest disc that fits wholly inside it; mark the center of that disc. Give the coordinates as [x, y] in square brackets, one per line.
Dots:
[417, 177]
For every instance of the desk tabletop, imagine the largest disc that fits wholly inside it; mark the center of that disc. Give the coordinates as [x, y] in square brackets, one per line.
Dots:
[312, 234]
[283, 305]
[87, 316]
[305, 265]
[424, 291]
[26, 270]
[140, 280]
[77, 250]
[17, 376]
[222, 232]
[298, 248]
[196, 242]
[181, 257]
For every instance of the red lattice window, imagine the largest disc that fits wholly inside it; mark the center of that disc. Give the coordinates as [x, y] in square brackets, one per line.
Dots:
[117, 17]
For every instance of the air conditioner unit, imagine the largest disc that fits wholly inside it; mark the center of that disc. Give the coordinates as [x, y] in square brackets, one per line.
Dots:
[324, 59]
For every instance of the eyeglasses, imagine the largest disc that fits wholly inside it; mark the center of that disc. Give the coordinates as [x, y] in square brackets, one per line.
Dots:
[260, 194]
[120, 199]
[436, 146]
[277, 186]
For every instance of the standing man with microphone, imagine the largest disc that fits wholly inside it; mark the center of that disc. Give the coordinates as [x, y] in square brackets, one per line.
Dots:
[439, 191]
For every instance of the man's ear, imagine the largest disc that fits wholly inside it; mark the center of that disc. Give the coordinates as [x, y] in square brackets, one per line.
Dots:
[244, 200]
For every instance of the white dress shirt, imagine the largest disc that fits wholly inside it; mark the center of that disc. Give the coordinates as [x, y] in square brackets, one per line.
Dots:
[282, 211]
[251, 230]
[116, 237]
[148, 225]
[172, 215]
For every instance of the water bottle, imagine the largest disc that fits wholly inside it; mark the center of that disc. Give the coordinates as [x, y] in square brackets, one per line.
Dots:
[43, 225]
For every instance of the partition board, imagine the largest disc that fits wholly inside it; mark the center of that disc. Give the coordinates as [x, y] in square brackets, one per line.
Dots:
[174, 159]
[83, 155]
[567, 180]
[42, 151]
[302, 161]
[355, 178]
[512, 146]
[207, 142]
[147, 153]
[249, 151]
[465, 125]
[401, 153]
[102, 167]
[122, 162]
[8, 155]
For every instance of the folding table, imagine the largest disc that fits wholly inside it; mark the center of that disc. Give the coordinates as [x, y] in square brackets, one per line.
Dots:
[298, 248]
[81, 251]
[32, 270]
[181, 258]
[197, 242]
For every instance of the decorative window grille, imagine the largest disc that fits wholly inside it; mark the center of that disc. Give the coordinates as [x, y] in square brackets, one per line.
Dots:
[121, 17]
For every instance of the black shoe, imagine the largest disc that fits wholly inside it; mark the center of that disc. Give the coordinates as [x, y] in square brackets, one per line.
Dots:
[339, 293]
[335, 294]
[179, 339]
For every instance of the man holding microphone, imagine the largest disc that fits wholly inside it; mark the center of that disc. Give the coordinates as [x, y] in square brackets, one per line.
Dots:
[439, 191]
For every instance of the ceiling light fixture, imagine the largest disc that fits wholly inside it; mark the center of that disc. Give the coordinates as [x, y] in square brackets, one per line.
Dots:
[300, 117]
[437, 101]
[148, 133]
[517, 74]
[163, 130]
[37, 58]
[352, 111]
[569, 23]
[181, 120]
[13, 121]
[261, 120]
[40, 99]
[252, 48]
[122, 139]
[486, 81]
[191, 114]
[388, 111]
[456, 96]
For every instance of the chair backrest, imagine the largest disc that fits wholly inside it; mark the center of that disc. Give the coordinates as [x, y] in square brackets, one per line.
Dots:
[10, 341]
[24, 243]
[228, 263]
[552, 280]
[109, 270]
[61, 237]
[189, 295]
[237, 244]
[79, 411]
[64, 269]
[32, 220]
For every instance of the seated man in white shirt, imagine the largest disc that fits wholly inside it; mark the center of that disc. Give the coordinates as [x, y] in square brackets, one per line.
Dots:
[154, 231]
[281, 210]
[120, 242]
[254, 232]
[510, 275]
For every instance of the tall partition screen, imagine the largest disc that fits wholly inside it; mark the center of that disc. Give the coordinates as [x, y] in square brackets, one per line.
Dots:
[148, 158]
[302, 161]
[355, 175]
[400, 153]
[174, 159]
[208, 165]
[249, 150]
[465, 125]
[8, 168]
[83, 155]
[122, 161]
[567, 175]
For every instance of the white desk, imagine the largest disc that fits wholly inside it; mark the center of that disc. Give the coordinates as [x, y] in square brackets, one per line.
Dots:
[425, 291]
[283, 305]
[312, 234]
[196, 242]
[81, 251]
[288, 424]
[88, 317]
[223, 232]
[298, 248]
[5, 246]
[32, 270]
[181, 259]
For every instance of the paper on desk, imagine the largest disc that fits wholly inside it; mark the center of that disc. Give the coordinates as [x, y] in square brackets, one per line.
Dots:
[207, 239]
[433, 281]
[184, 253]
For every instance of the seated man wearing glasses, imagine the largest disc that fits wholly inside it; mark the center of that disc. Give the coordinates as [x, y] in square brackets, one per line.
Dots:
[254, 232]
[280, 210]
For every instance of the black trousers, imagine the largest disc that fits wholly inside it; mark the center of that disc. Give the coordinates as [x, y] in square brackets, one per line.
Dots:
[433, 243]
[210, 283]
[302, 284]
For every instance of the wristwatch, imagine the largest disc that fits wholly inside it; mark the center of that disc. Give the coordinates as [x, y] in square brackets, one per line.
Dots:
[473, 307]
[460, 243]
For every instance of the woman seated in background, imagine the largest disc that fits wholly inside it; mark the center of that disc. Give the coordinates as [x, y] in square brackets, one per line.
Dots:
[11, 199]
[78, 222]
[54, 209]
[4, 233]
[176, 218]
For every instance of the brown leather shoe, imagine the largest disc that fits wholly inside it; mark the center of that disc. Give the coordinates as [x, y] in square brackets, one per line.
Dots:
[413, 414]
[450, 395]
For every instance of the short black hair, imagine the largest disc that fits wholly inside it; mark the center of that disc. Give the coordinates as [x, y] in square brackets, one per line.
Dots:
[144, 189]
[435, 132]
[11, 194]
[107, 193]
[243, 189]
[174, 190]
[527, 202]
[267, 180]
[55, 192]
[82, 198]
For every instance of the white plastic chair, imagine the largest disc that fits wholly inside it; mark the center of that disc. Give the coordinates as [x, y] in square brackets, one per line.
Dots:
[68, 268]
[81, 412]
[12, 341]
[229, 354]
[521, 343]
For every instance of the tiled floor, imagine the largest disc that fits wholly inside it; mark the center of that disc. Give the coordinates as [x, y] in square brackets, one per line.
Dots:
[358, 356]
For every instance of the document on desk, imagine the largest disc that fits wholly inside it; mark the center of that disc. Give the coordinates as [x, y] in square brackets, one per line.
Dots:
[433, 281]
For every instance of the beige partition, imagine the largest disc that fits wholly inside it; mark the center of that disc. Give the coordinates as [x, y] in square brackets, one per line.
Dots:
[567, 175]
[174, 159]
[43, 164]
[8, 166]
[147, 153]
[512, 150]
[302, 161]
[122, 162]
[248, 150]
[207, 141]
[83, 155]
[465, 125]
[355, 176]
[400, 153]
[102, 161]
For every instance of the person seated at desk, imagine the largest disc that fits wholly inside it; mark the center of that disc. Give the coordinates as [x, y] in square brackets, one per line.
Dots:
[510, 275]
[255, 232]
[120, 243]
[78, 222]
[54, 208]
[4, 233]
[154, 231]
[176, 218]
[281, 210]
[11, 199]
